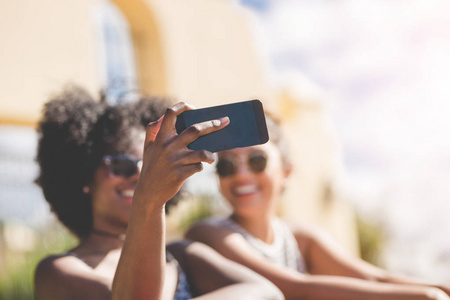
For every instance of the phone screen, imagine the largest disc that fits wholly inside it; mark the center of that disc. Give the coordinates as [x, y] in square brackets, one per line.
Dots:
[247, 126]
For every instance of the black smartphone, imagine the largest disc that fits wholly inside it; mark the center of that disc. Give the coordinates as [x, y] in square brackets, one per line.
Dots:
[247, 126]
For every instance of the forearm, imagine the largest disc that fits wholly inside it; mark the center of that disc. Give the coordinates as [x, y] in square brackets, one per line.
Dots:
[166, 164]
[407, 280]
[140, 273]
[403, 279]
[333, 287]
[243, 292]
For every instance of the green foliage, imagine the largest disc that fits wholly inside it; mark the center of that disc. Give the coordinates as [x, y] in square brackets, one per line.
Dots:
[16, 280]
[372, 239]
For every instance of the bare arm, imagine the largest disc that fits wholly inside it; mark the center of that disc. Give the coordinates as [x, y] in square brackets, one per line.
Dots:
[218, 277]
[327, 258]
[167, 163]
[295, 285]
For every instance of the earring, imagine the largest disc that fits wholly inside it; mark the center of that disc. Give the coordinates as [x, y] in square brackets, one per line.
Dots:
[86, 189]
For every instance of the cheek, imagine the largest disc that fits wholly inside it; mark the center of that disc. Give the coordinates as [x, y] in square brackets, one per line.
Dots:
[225, 188]
[101, 196]
[275, 178]
[102, 188]
[223, 185]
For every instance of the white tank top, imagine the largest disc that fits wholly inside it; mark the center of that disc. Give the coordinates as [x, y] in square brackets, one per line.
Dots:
[284, 249]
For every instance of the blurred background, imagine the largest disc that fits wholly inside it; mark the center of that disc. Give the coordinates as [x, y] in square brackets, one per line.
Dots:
[361, 87]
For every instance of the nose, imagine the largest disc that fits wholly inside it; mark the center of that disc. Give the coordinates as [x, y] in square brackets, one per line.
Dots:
[242, 168]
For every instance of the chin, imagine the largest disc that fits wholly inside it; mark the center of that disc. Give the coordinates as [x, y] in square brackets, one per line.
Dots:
[247, 210]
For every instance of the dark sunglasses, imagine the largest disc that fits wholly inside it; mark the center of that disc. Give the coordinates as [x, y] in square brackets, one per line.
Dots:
[227, 167]
[122, 164]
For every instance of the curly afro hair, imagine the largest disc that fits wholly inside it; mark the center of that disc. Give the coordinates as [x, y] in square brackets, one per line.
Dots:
[75, 133]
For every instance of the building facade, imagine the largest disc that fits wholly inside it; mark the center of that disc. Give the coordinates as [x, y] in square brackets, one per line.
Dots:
[199, 51]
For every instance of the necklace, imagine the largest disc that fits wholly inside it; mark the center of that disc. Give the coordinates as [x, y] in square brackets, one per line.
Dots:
[108, 234]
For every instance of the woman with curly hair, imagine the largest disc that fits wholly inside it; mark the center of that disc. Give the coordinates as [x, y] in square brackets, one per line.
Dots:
[107, 175]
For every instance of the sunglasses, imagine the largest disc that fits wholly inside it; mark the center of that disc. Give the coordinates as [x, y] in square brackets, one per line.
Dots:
[228, 167]
[122, 165]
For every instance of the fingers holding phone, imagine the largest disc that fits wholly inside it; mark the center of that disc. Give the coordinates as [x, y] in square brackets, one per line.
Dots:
[247, 126]
[195, 131]
[167, 160]
[177, 144]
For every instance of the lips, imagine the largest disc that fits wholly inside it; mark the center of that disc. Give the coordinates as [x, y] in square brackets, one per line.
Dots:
[244, 190]
[128, 195]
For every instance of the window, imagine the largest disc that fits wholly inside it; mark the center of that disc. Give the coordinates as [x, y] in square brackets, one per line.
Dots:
[20, 198]
[117, 61]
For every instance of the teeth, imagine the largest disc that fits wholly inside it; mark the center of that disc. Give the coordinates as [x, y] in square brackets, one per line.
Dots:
[246, 189]
[128, 193]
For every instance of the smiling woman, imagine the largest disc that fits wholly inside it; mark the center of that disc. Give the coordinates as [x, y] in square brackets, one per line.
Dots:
[78, 137]
[299, 259]
[112, 195]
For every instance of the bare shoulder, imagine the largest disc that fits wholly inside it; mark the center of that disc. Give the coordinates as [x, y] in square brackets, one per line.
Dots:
[54, 267]
[222, 239]
[51, 276]
[64, 277]
[303, 231]
[207, 231]
[307, 231]
[307, 235]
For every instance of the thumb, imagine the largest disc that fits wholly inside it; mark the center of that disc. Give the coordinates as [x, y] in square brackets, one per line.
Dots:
[152, 131]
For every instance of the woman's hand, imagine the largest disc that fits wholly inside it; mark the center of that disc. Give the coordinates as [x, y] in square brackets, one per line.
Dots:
[167, 161]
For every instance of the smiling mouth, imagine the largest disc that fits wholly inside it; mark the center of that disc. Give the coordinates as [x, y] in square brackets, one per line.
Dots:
[245, 190]
[127, 193]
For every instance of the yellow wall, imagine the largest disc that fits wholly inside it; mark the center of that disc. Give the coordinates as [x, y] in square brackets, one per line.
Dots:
[44, 44]
[200, 51]
[208, 54]
[51, 43]
[146, 36]
[315, 194]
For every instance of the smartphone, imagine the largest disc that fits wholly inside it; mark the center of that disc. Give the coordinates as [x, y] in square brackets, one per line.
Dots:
[247, 126]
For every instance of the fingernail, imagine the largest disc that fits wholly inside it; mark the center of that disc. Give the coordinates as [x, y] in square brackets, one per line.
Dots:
[224, 120]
